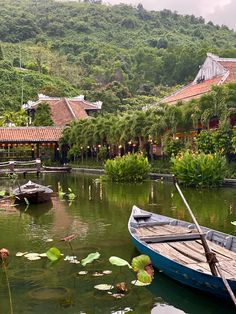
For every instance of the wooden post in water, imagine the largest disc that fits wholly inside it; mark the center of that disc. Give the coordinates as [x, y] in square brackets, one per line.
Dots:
[38, 166]
[11, 166]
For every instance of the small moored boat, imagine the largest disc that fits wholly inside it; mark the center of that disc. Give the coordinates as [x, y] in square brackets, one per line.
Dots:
[175, 247]
[33, 192]
[57, 169]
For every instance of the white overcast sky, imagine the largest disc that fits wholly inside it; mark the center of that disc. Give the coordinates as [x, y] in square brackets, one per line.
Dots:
[218, 11]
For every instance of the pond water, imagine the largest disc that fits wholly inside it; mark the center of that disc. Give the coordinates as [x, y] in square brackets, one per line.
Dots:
[99, 217]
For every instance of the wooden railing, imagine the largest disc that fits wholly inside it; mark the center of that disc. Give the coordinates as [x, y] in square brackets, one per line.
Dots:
[14, 166]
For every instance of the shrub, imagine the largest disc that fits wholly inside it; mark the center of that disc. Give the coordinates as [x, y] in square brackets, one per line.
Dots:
[205, 142]
[129, 168]
[172, 146]
[200, 170]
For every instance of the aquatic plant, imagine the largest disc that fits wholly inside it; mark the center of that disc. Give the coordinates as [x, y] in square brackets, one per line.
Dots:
[199, 169]
[90, 258]
[128, 168]
[53, 254]
[141, 265]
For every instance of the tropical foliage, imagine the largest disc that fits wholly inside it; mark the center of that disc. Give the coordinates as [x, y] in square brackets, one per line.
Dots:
[43, 116]
[161, 124]
[111, 53]
[129, 168]
[199, 169]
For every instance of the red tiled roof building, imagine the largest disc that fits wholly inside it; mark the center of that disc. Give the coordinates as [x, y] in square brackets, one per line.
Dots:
[214, 71]
[65, 110]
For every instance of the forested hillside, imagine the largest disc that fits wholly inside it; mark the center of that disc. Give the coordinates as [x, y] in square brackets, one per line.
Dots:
[109, 53]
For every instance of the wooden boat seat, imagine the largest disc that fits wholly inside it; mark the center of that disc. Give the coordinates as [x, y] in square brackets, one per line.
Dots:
[141, 216]
[191, 254]
[166, 233]
[171, 238]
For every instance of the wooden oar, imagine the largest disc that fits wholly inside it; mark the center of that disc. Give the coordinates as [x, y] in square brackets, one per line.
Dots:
[210, 256]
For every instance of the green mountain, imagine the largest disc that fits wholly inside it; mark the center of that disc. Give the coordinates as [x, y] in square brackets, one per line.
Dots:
[109, 52]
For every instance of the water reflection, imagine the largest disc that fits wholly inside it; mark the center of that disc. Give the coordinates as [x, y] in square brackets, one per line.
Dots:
[99, 216]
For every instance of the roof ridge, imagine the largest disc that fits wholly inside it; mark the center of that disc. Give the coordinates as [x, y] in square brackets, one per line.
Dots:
[69, 107]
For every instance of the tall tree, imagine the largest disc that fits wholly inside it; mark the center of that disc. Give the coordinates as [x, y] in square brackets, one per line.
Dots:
[43, 116]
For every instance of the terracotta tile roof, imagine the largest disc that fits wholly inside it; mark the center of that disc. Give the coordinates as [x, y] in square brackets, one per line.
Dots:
[65, 110]
[231, 67]
[192, 91]
[30, 134]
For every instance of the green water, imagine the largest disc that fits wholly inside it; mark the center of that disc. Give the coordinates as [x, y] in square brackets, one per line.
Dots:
[99, 216]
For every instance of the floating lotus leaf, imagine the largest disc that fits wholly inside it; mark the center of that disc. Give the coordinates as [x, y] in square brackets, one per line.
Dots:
[49, 240]
[117, 261]
[19, 254]
[53, 254]
[98, 274]
[90, 258]
[144, 277]
[107, 272]
[140, 262]
[82, 272]
[139, 283]
[29, 255]
[233, 223]
[104, 287]
[143, 266]
[43, 255]
[33, 258]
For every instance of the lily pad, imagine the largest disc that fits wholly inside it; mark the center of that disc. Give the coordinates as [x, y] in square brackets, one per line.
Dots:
[90, 258]
[98, 274]
[43, 255]
[143, 266]
[107, 272]
[29, 255]
[53, 254]
[49, 240]
[82, 272]
[104, 287]
[117, 261]
[19, 254]
[34, 258]
[139, 283]
[49, 293]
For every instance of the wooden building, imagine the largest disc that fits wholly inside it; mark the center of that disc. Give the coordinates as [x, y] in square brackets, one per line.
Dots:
[26, 143]
[214, 71]
[65, 110]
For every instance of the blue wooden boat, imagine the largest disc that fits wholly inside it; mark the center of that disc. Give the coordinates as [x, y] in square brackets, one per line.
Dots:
[174, 247]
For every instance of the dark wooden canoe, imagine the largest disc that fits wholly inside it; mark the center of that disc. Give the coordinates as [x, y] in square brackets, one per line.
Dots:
[57, 169]
[175, 248]
[33, 192]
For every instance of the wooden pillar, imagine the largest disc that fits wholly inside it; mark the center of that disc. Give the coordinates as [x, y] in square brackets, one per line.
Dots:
[37, 150]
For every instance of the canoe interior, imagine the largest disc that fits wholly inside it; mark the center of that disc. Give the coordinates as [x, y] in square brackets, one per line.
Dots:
[179, 241]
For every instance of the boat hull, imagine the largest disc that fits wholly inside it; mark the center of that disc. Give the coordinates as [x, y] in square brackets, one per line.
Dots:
[203, 282]
[34, 198]
[33, 192]
[196, 279]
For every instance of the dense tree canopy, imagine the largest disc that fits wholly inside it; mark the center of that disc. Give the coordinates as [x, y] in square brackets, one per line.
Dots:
[107, 52]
